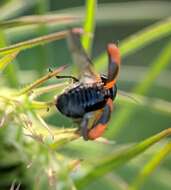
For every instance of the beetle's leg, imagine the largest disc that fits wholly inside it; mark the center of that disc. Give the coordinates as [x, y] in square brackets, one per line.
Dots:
[99, 127]
[66, 76]
[71, 77]
[84, 126]
[113, 67]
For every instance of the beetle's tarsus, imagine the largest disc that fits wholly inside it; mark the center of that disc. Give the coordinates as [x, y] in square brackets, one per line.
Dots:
[84, 128]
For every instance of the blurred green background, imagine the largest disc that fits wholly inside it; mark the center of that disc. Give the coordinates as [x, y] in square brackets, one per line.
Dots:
[115, 21]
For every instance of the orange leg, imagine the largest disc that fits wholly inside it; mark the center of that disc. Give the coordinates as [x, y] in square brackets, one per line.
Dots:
[114, 63]
[100, 126]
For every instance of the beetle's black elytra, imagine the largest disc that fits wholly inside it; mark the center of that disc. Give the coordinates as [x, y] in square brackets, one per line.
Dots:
[84, 98]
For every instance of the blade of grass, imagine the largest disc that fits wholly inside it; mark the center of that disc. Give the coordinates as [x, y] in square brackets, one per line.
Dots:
[27, 31]
[146, 36]
[11, 70]
[139, 40]
[113, 11]
[151, 103]
[48, 89]
[155, 69]
[4, 61]
[40, 81]
[15, 7]
[116, 182]
[38, 19]
[134, 74]
[108, 163]
[150, 167]
[33, 42]
[89, 24]
[123, 12]
[43, 52]
[42, 7]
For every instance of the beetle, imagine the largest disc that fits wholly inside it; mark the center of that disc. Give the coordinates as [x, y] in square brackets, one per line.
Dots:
[89, 100]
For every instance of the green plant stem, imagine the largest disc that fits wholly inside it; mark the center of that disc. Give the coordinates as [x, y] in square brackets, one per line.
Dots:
[89, 24]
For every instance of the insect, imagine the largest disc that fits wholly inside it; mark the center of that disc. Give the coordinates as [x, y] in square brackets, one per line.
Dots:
[89, 100]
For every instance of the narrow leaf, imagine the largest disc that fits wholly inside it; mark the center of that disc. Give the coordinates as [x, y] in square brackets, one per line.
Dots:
[89, 24]
[15, 7]
[108, 163]
[38, 19]
[41, 81]
[11, 72]
[139, 40]
[156, 104]
[4, 61]
[33, 42]
[150, 167]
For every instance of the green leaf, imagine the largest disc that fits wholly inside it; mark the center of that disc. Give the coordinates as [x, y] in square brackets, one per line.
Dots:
[33, 42]
[150, 167]
[156, 104]
[4, 61]
[124, 12]
[15, 7]
[11, 70]
[38, 19]
[139, 40]
[38, 82]
[109, 163]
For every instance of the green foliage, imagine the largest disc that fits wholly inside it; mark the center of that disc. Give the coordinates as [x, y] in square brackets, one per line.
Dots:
[89, 25]
[40, 151]
[116, 160]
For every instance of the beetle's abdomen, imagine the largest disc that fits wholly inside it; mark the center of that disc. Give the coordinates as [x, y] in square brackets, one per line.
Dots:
[82, 99]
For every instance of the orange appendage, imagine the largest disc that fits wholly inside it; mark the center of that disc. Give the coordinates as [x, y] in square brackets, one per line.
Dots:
[114, 53]
[110, 84]
[110, 104]
[97, 131]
